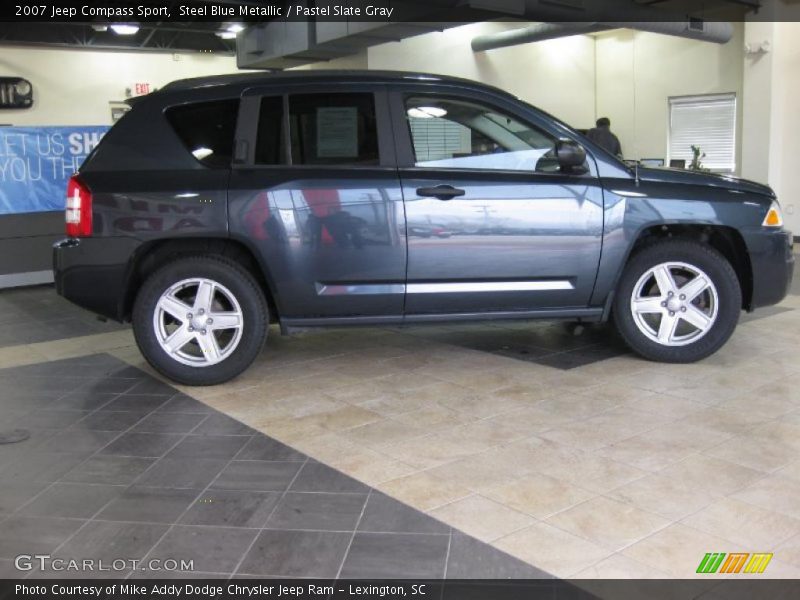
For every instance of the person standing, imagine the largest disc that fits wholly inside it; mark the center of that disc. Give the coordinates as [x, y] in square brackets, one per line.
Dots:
[602, 136]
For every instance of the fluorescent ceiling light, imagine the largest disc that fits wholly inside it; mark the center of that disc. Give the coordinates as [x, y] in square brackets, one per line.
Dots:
[202, 152]
[426, 112]
[227, 35]
[124, 28]
[235, 27]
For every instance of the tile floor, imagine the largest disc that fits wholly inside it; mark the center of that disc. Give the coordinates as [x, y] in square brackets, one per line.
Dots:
[120, 465]
[546, 441]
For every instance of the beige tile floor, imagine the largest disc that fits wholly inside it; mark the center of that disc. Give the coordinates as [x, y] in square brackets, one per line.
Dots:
[622, 468]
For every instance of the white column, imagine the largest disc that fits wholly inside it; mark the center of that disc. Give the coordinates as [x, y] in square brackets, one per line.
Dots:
[771, 120]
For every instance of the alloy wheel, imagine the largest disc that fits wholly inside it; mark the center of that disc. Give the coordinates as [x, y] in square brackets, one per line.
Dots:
[674, 304]
[198, 322]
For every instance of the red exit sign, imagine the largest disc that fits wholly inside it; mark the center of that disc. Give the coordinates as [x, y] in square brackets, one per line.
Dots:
[141, 88]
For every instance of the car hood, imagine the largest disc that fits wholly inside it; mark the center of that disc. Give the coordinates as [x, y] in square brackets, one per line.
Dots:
[703, 178]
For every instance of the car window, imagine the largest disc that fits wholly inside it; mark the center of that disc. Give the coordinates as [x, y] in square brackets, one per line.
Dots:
[206, 129]
[269, 140]
[333, 129]
[453, 133]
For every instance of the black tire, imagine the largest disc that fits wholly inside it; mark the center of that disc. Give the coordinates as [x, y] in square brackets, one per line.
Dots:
[241, 285]
[708, 260]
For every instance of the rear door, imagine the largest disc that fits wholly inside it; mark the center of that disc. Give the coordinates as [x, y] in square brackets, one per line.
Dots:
[493, 223]
[314, 191]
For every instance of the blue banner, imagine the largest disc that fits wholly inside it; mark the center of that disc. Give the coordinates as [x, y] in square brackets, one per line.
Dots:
[36, 162]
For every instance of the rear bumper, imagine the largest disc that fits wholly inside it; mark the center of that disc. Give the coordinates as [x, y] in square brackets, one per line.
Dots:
[772, 260]
[93, 273]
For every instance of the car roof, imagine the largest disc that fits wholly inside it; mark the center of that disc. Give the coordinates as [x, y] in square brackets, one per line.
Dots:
[243, 80]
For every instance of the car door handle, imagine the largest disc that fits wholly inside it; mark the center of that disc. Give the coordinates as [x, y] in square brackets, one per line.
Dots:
[442, 192]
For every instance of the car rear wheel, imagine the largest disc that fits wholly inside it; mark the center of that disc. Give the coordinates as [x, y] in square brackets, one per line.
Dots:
[678, 301]
[200, 320]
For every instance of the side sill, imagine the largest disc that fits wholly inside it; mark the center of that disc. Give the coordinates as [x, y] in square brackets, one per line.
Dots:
[288, 325]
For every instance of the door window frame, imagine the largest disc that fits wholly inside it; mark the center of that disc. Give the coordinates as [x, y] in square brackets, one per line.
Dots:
[404, 145]
[247, 124]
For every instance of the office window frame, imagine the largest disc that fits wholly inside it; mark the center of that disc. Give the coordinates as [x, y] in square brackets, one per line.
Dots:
[707, 103]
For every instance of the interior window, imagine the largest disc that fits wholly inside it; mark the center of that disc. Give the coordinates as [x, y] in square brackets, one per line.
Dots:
[333, 129]
[705, 121]
[269, 141]
[466, 135]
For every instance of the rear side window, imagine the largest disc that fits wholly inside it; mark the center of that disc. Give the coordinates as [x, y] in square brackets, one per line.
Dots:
[207, 129]
[333, 129]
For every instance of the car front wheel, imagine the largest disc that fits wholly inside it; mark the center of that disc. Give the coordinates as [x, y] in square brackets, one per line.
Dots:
[677, 301]
[200, 320]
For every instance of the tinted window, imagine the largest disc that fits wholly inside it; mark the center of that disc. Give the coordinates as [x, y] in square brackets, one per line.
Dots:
[333, 129]
[207, 129]
[452, 133]
[269, 142]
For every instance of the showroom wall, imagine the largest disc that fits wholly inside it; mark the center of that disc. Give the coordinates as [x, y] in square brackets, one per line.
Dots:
[78, 92]
[557, 75]
[582, 77]
[637, 73]
[786, 181]
[785, 145]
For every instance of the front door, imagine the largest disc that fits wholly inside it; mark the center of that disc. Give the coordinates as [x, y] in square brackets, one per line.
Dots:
[493, 223]
[316, 194]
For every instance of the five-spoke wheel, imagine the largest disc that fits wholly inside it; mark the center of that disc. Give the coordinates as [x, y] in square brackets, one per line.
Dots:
[198, 322]
[200, 319]
[677, 301]
[674, 303]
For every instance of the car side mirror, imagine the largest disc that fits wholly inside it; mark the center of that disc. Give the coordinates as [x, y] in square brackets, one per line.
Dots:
[571, 156]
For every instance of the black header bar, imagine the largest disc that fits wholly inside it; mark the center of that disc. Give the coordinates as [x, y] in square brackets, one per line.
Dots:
[385, 11]
[308, 589]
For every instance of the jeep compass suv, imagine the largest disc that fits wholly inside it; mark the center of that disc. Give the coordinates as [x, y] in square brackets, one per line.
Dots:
[221, 204]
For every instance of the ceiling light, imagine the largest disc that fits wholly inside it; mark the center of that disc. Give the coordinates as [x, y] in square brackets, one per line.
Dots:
[202, 152]
[426, 112]
[235, 27]
[227, 35]
[124, 28]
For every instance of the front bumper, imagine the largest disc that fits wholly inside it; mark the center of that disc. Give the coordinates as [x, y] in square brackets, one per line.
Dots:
[772, 261]
[93, 273]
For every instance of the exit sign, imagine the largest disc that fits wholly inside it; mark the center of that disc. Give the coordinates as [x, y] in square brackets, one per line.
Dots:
[140, 88]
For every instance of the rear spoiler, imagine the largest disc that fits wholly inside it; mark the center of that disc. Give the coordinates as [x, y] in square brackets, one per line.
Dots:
[133, 100]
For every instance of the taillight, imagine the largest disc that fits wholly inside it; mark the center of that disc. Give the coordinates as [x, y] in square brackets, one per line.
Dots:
[79, 208]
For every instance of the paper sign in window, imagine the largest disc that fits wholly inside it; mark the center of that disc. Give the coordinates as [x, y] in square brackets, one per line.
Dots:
[337, 132]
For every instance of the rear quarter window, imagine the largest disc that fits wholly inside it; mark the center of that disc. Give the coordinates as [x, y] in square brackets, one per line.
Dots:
[207, 129]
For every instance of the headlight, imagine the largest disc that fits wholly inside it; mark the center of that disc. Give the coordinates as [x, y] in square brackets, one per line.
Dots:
[774, 217]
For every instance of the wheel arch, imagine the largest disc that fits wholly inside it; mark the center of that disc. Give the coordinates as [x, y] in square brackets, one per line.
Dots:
[152, 255]
[725, 240]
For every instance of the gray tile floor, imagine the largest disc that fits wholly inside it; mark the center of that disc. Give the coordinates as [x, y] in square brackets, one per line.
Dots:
[36, 314]
[560, 345]
[120, 465]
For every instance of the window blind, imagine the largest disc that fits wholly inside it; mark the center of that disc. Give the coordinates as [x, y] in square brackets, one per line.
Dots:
[437, 139]
[708, 122]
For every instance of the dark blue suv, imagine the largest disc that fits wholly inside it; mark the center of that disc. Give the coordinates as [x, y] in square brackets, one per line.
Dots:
[218, 205]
